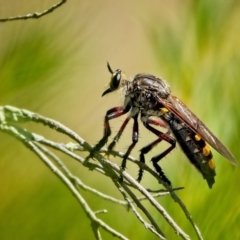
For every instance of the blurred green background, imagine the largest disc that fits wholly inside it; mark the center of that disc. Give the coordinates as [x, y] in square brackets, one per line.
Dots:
[56, 66]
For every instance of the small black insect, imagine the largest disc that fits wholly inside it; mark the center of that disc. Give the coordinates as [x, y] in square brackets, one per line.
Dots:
[149, 96]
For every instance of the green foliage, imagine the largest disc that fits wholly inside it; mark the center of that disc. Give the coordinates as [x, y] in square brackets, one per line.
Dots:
[32, 58]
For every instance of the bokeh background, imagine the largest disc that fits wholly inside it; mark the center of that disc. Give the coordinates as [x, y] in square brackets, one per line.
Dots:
[56, 66]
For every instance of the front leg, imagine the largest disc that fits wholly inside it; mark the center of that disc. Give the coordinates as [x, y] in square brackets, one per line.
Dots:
[111, 114]
[119, 134]
[135, 136]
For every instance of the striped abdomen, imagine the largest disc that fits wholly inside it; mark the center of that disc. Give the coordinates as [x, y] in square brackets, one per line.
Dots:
[194, 147]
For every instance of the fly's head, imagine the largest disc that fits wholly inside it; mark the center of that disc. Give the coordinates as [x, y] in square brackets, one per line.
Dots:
[116, 80]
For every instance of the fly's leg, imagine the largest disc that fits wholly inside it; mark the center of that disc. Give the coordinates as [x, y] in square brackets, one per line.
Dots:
[111, 114]
[161, 136]
[119, 134]
[135, 136]
[143, 151]
[147, 148]
[157, 123]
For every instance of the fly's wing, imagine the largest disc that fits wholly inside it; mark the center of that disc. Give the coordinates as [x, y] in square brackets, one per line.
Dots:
[177, 107]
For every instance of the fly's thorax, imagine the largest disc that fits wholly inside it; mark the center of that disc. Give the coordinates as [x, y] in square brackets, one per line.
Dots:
[152, 84]
[163, 88]
[145, 90]
[143, 99]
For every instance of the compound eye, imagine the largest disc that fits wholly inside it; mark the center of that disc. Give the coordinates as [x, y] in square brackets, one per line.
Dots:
[116, 79]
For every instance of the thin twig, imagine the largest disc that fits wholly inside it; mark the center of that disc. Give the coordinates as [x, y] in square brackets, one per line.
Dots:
[156, 205]
[173, 194]
[76, 180]
[154, 228]
[149, 216]
[34, 15]
[11, 114]
[23, 137]
[76, 194]
[15, 114]
[95, 228]
[140, 188]
[62, 147]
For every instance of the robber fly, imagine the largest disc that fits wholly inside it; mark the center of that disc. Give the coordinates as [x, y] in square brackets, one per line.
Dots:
[148, 96]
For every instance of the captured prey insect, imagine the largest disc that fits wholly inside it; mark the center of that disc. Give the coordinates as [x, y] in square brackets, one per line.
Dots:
[149, 96]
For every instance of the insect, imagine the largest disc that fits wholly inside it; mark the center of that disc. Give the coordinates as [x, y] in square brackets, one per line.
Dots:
[148, 96]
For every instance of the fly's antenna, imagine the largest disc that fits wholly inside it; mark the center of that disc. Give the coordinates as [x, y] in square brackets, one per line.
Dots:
[109, 68]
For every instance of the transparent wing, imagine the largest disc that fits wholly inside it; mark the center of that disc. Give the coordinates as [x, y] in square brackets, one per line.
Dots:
[176, 106]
